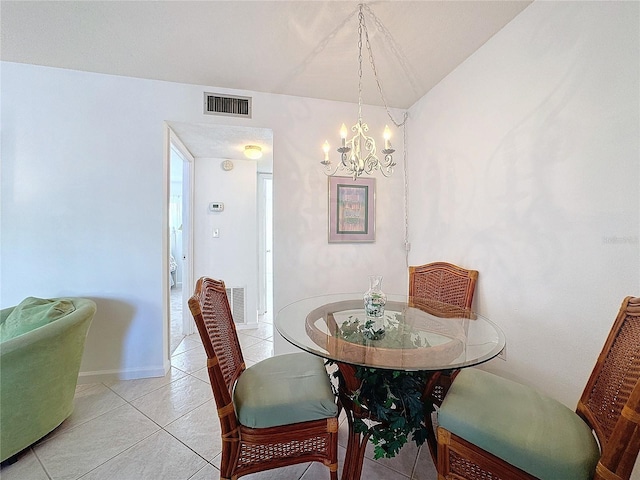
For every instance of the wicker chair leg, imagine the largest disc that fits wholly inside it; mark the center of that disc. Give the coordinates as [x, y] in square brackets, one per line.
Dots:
[332, 429]
[229, 458]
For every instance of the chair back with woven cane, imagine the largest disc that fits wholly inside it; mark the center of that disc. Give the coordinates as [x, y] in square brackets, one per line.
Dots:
[446, 290]
[443, 283]
[250, 449]
[609, 405]
[211, 312]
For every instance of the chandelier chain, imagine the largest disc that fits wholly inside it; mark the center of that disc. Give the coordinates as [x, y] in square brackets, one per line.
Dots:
[358, 154]
[397, 124]
[361, 25]
[407, 245]
[395, 49]
[375, 73]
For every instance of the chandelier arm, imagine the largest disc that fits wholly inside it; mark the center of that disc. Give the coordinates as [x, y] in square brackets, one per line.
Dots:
[328, 169]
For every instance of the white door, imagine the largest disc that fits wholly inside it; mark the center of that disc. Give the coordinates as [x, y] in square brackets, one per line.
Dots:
[265, 221]
[187, 246]
[182, 163]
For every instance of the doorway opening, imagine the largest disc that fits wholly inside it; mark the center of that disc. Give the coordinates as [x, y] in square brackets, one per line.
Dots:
[239, 253]
[265, 228]
[179, 221]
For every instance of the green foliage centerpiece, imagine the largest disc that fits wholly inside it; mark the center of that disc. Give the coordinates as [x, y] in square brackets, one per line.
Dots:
[393, 400]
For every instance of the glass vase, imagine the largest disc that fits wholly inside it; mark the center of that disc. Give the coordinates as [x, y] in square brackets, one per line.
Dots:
[374, 298]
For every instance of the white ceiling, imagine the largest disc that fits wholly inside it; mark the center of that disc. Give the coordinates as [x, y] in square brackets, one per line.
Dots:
[303, 48]
[223, 141]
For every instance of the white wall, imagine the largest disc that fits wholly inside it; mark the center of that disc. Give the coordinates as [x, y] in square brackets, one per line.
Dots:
[233, 256]
[83, 208]
[530, 175]
[304, 262]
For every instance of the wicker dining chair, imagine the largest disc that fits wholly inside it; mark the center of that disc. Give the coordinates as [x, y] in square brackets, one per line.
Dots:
[492, 428]
[446, 290]
[442, 283]
[280, 411]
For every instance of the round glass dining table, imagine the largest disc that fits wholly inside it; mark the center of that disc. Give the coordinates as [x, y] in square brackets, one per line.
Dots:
[411, 335]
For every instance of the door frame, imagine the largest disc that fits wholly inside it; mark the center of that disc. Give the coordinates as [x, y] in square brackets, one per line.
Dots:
[262, 243]
[171, 139]
[187, 229]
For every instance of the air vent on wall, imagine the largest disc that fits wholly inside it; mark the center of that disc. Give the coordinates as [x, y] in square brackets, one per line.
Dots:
[215, 104]
[236, 302]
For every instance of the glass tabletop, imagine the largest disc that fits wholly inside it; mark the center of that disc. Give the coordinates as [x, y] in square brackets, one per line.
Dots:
[411, 335]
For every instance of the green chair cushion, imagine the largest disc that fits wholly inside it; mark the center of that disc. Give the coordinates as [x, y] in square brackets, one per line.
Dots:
[282, 390]
[33, 313]
[519, 425]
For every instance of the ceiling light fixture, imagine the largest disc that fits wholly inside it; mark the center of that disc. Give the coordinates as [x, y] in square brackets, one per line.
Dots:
[254, 152]
[358, 154]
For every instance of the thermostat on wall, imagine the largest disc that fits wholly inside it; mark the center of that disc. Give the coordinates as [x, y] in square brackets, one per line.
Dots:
[216, 207]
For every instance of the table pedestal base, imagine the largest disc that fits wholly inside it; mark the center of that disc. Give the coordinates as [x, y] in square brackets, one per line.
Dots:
[356, 447]
[357, 442]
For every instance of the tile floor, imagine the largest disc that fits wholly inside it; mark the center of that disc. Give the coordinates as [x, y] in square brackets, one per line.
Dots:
[175, 317]
[167, 429]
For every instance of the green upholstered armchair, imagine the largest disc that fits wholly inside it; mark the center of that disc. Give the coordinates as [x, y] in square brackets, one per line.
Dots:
[41, 345]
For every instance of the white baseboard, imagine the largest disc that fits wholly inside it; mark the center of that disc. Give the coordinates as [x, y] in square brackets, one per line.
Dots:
[129, 374]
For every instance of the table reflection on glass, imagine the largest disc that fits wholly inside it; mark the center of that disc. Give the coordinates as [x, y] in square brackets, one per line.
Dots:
[411, 336]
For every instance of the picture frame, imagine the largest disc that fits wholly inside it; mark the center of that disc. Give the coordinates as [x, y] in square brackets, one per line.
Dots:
[352, 210]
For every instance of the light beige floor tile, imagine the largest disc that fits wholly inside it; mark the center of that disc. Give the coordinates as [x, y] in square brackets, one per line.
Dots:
[84, 386]
[170, 402]
[26, 467]
[202, 374]
[263, 331]
[402, 463]
[186, 344]
[216, 461]
[425, 468]
[199, 430]
[343, 430]
[371, 470]
[375, 471]
[318, 471]
[261, 350]
[292, 472]
[193, 339]
[190, 361]
[247, 341]
[83, 448]
[248, 362]
[209, 472]
[159, 456]
[132, 389]
[89, 403]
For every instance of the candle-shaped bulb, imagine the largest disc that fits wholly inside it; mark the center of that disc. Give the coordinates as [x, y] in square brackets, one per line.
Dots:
[325, 149]
[387, 136]
[343, 134]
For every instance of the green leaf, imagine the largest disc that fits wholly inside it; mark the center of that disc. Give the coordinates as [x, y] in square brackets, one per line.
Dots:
[395, 399]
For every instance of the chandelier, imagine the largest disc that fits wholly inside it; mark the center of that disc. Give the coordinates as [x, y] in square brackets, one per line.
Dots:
[358, 154]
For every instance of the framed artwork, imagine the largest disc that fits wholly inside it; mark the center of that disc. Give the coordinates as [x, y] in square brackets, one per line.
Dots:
[351, 210]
